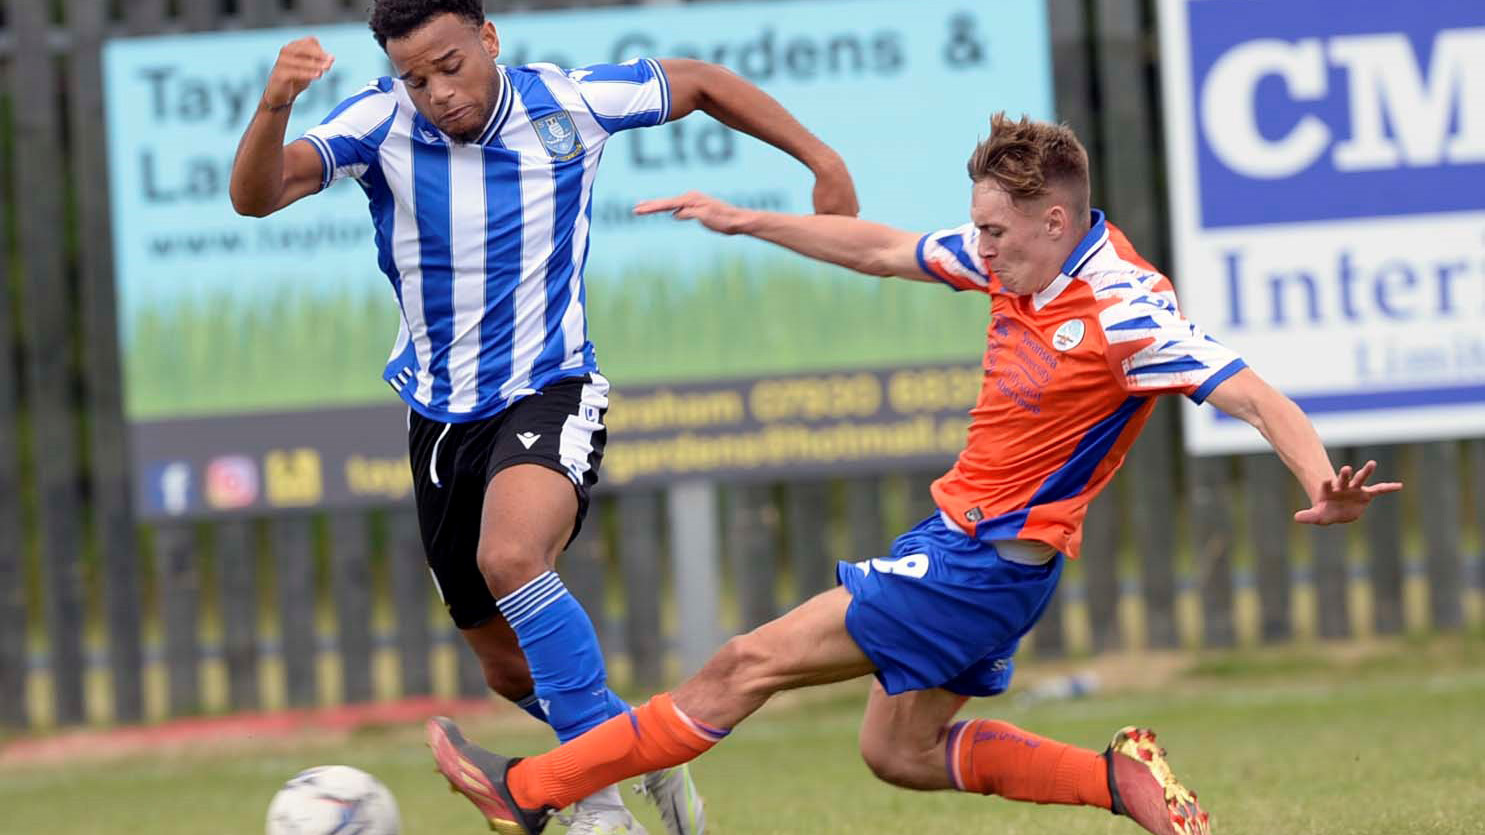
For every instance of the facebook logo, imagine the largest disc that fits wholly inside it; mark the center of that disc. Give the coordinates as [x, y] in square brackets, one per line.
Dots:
[1309, 111]
[170, 487]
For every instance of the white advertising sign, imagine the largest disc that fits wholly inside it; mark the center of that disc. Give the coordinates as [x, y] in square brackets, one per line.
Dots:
[1328, 200]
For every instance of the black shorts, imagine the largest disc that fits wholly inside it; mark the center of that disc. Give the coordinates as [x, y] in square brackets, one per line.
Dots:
[561, 428]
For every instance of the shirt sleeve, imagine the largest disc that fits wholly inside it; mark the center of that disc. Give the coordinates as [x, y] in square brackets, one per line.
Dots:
[1153, 349]
[350, 137]
[951, 256]
[634, 94]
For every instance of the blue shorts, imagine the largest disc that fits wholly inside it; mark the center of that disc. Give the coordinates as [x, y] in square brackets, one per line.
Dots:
[944, 610]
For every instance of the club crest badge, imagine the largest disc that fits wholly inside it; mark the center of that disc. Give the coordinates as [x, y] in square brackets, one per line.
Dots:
[1069, 335]
[559, 135]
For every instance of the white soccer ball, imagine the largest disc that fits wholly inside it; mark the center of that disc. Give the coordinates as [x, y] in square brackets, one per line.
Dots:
[333, 800]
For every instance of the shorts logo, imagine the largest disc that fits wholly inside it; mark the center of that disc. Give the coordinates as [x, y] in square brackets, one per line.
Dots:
[974, 514]
[912, 565]
[559, 136]
[527, 439]
[1069, 335]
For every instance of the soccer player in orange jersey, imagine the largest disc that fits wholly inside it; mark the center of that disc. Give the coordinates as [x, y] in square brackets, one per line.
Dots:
[1083, 335]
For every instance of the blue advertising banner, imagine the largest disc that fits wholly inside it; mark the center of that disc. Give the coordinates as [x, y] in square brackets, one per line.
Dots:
[1327, 174]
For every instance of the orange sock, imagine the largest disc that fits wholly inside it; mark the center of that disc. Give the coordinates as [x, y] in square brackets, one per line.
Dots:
[655, 735]
[990, 757]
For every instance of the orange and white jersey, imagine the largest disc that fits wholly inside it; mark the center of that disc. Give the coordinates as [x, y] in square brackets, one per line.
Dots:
[1070, 378]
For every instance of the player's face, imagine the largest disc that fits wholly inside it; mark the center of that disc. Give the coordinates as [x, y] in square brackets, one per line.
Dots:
[1022, 244]
[449, 68]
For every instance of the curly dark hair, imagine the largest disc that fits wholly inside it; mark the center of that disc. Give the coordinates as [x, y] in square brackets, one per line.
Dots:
[396, 18]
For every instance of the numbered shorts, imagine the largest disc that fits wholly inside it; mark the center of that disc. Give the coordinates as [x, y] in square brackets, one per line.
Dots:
[560, 428]
[944, 610]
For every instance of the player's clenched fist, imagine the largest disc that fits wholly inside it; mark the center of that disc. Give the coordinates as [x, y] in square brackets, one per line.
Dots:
[299, 64]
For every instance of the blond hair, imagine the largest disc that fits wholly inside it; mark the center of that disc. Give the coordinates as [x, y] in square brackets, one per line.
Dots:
[1029, 160]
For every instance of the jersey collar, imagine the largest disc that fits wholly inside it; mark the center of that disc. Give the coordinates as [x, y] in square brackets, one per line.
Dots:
[503, 103]
[1098, 235]
[1092, 242]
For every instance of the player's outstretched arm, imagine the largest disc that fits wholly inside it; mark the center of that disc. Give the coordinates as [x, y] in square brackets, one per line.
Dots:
[1334, 497]
[266, 174]
[852, 243]
[740, 105]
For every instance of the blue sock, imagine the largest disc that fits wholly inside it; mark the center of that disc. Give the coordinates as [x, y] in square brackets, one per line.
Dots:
[562, 651]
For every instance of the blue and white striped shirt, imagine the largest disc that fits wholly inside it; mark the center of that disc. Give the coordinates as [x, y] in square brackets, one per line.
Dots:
[485, 242]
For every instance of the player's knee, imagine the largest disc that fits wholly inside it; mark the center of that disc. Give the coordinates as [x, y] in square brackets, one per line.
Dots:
[883, 761]
[892, 761]
[509, 564]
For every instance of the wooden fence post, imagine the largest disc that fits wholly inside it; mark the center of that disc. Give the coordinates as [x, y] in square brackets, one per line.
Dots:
[1072, 73]
[696, 569]
[298, 637]
[1049, 636]
[351, 586]
[470, 673]
[1331, 572]
[1383, 528]
[49, 328]
[178, 566]
[865, 529]
[585, 574]
[1127, 118]
[113, 514]
[145, 17]
[752, 543]
[1154, 513]
[258, 14]
[200, 15]
[1267, 485]
[1100, 559]
[1212, 535]
[319, 11]
[1477, 474]
[808, 521]
[919, 497]
[12, 546]
[237, 577]
[639, 560]
[1439, 503]
[13, 622]
[410, 585]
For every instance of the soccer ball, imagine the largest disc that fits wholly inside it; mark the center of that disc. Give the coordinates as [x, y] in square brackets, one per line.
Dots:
[333, 799]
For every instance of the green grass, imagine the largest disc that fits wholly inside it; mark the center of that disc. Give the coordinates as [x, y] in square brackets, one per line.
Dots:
[1388, 744]
[312, 350]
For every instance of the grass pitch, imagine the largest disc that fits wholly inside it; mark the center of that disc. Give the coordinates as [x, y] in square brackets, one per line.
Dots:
[1299, 742]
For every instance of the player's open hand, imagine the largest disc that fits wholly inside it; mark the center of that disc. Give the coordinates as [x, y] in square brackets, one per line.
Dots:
[299, 64]
[1344, 498]
[835, 193]
[710, 212]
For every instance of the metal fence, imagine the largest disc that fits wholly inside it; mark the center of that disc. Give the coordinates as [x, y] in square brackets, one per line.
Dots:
[103, 620]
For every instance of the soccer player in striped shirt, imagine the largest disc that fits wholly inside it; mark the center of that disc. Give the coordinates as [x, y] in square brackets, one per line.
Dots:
[479, 180]
[1083, 335]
